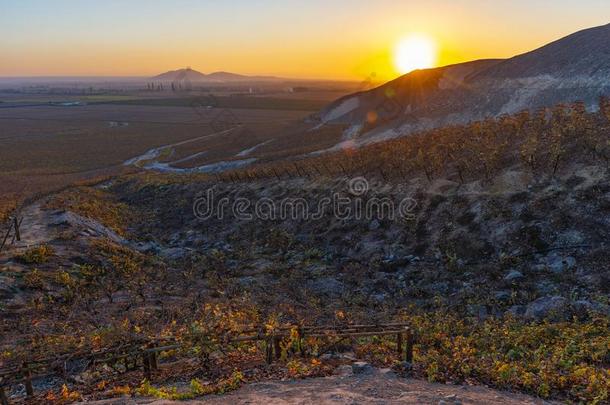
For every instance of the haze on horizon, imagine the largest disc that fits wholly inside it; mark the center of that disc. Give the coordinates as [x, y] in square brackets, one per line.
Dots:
[337, 39]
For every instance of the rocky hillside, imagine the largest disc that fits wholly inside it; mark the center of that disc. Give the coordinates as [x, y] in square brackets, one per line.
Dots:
[495, 254]
[472, 264]
[570, 69]
[532, 250]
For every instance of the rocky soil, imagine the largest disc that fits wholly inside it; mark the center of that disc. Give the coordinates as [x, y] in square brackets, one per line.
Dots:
[511, 246]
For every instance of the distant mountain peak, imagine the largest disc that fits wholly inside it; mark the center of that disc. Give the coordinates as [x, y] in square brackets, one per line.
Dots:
[189, 74]
[180, 74]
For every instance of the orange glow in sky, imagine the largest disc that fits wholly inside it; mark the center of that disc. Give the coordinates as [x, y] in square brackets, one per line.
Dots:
[334, 39]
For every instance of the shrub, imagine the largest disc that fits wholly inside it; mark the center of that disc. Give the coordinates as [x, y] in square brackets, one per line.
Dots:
[94, 204]
[33, 280]
[196, 388]
[540, 142]
[279, 239]
[36, 255]
[546, 359]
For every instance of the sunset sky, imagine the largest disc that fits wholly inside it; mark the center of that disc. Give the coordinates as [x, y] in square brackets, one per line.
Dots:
[334, 39]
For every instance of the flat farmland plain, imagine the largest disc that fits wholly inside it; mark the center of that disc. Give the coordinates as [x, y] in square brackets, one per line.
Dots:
[47, 147]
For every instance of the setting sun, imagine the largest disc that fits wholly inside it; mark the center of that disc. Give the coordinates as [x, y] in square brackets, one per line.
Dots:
[415, 52]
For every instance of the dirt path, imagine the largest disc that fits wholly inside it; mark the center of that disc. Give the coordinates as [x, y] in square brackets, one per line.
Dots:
[151, 157]
[376, 388]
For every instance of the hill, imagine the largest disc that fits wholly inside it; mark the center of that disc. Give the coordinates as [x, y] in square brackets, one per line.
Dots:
[498, 262]
[225, 76]
[181, 74]
[575, 68]
[585, 53]
[192, 75]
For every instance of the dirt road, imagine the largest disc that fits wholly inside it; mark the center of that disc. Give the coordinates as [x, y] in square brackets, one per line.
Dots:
[374, 388]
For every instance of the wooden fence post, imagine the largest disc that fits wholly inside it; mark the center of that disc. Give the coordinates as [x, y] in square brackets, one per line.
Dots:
[8, 233]
[29, 388]
[277, 347]
[146, 363]
[409, 346]
[399, 343]
[64, 370]
[3, 397]
[16, 224]
[269, 351]
[154, 364]
[301, 341]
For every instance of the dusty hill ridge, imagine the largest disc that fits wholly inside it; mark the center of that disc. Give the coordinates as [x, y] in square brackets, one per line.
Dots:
[575, 68]
[585, 52]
